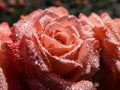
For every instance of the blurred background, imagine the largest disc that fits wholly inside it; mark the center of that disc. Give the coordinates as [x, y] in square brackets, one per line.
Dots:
[10, 10]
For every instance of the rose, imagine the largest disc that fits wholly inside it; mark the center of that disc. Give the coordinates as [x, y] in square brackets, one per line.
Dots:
[55, 49]
[56, 46]
[107, 32]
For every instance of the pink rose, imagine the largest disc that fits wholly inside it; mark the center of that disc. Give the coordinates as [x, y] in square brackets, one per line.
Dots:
[55, 50]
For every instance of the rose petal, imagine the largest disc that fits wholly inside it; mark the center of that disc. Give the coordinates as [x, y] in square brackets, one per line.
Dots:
[88, 50]
[96, 20]
[88, 56]
[85, 18]
[110, 24]
[31, 53]
[82, 85]
[3, 83]
[5, 32]
[21, 28]
[117, 23]
[73, 53]
[49, 13]
[32, 16]
[59, 10]
[86, 30]
[63, 66]
[45, 81]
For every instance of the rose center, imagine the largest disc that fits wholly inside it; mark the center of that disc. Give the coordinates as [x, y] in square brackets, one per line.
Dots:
[61, 37]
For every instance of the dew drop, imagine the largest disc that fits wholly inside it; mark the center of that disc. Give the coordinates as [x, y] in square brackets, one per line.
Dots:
[73, 88]
[118, 48]
[26, 24]
[16, 35]
[36, 62]
[67, 88]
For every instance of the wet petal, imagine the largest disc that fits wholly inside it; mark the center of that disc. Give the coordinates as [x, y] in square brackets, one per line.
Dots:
[85, 18]
[60, 10]
[82, 85]
[110, 24]
[3, 83]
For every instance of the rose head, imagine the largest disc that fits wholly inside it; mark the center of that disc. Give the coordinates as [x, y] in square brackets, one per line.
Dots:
[107, 31]
[57, 47]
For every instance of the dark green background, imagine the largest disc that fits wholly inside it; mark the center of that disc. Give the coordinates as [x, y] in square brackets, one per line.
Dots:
[74, 7]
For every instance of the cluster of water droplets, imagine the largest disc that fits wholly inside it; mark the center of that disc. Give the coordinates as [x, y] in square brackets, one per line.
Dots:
[36, 57]
[3, 83]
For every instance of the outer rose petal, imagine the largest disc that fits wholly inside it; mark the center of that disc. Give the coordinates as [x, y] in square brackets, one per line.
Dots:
[117, 23]
[32, 16]
[87, 26]
[3, 83]
[110, 24]
[31, 52]
[60, 10]
[96, 20]
[4, 38]
[85, 18]
[82, 85]
[4, 31]
[14, 78]
[88, 56]
[63, 66]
